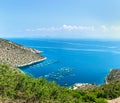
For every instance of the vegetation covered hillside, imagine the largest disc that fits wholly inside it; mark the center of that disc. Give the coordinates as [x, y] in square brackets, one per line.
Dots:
[16, 87]
[17, 55]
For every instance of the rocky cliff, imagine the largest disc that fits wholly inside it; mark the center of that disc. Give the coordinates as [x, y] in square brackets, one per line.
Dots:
[113, 76]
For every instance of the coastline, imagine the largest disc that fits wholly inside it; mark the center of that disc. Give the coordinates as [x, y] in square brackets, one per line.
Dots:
[114, 75]
[32, 63]
[106, 82]
[84, 85]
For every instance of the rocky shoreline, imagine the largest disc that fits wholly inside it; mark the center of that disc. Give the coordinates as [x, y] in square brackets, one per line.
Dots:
[17, 55]
[32, 63]
[82, 86]
[112, 77]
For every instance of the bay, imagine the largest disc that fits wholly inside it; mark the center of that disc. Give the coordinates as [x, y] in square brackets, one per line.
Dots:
[73, 61]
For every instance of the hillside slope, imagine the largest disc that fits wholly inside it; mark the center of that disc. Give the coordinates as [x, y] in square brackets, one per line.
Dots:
[18, 55]
[114, 76]
[16, 87]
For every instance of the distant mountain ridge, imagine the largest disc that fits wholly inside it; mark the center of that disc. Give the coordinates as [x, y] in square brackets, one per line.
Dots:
[18, 55]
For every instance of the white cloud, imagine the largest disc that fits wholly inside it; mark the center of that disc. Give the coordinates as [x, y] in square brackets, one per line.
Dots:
[111, 31]
[64, 28]
[50, 29]
[104, 28]
[78, 28]
[115, 28]
[78, 31]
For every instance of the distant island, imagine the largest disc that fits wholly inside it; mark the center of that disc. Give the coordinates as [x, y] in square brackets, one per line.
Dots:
[17, 55]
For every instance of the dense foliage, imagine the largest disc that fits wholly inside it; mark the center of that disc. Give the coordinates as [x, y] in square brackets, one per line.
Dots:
[18, 87]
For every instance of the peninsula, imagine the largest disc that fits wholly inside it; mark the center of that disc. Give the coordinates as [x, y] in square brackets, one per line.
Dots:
[17, 55]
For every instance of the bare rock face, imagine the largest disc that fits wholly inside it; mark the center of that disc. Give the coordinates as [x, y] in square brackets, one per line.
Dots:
[18, 55]
[114, 76]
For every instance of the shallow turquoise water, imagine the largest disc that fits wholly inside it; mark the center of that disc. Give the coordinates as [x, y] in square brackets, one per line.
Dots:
[73, 61]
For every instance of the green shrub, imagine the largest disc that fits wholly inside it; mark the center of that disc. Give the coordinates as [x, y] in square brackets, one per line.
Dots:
[19, 87]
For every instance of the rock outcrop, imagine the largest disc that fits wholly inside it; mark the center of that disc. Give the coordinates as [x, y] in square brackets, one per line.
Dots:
[113, 76]
[18, 55]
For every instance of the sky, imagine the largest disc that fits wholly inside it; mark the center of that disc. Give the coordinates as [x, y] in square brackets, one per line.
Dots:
[84, 19]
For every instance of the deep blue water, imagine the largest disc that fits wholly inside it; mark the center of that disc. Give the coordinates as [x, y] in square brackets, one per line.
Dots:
[73, 61]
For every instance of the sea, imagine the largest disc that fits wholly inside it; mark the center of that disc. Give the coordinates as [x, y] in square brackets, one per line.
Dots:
[73, 61]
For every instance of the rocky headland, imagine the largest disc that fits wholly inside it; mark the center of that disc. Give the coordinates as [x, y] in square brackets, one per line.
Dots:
[17, 55]
[113, 76]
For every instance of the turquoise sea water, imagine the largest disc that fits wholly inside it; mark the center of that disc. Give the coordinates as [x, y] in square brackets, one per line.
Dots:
[73, 61]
